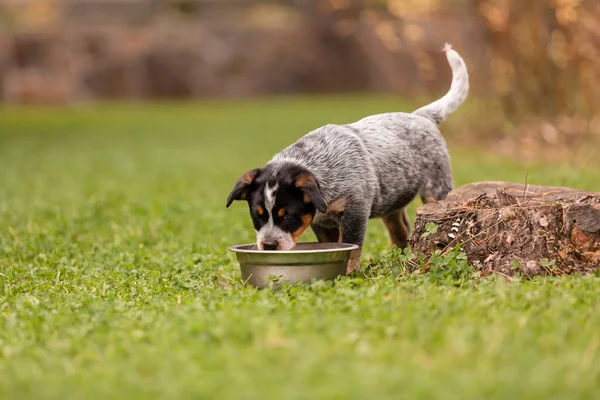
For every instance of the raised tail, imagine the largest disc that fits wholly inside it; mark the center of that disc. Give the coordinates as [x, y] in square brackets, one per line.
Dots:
[459, 89]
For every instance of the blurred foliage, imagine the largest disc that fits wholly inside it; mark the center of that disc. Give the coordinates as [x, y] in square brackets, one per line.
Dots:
[533, 63]
[545, 54]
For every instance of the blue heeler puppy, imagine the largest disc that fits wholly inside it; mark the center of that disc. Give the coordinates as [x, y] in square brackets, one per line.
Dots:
[337, 177]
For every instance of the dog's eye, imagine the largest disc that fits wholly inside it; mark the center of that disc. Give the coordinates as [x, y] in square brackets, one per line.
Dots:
[282, 213]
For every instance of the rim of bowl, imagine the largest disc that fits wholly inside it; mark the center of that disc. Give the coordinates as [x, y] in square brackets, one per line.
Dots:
[343, 247]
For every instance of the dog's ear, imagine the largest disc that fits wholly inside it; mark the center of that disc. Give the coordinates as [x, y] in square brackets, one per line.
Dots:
[312, 192]
[242, 187]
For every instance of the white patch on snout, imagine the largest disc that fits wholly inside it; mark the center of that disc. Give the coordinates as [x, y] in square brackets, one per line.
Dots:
[271, 233]
[274, 234]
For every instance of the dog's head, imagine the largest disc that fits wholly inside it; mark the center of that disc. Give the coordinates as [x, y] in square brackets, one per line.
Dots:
[282, 203]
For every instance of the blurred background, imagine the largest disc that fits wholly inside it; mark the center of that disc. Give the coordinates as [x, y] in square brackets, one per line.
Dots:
[534, 65]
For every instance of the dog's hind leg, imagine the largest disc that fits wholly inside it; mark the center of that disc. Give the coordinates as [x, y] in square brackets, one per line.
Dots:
[398, 227]
[428, 199]
[438, 186]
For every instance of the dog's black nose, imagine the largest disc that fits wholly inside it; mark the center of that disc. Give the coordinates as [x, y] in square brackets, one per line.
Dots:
[270, 246]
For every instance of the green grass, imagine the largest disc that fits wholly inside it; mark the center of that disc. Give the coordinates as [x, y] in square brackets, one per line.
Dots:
[116, 282]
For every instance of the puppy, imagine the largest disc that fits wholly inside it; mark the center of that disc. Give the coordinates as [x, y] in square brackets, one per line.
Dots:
[337, 177]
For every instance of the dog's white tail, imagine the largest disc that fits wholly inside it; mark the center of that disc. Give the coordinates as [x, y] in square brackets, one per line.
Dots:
[459, 89]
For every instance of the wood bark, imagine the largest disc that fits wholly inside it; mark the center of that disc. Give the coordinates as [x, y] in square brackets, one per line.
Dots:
[509, 228]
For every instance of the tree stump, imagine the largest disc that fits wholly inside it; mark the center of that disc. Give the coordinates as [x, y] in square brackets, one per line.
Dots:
[508, 228]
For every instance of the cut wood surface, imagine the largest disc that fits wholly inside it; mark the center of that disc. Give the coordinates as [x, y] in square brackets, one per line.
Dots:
[509, 227]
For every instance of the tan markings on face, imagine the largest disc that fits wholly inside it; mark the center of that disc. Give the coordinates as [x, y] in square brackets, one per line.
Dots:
[337, 206]
[281, 212]
[306, 220]
[306, 198]
[260, 210]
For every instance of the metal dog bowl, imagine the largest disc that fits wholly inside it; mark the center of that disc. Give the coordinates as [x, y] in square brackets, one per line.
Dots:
[304, 263]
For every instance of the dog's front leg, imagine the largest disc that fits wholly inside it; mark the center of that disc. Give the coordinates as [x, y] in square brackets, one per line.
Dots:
[354, 227]
[326, 233]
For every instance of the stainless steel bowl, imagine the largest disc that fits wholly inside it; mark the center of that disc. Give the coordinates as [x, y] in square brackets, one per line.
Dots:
[305, 262]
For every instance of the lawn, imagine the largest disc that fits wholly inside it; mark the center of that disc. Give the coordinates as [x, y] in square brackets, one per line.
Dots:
[116, 282]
